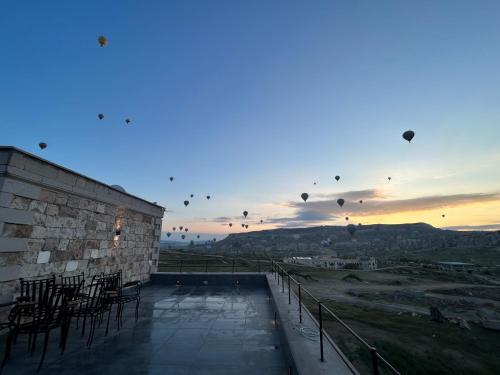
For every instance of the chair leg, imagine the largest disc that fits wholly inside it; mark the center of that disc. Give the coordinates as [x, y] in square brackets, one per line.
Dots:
[92, 323]
[45, 344]
[83, 325]
[107, 324]
[33, 344]
[137, 310]
[8, 346]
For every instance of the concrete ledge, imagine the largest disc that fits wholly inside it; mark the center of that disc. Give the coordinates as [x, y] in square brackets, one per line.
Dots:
[245, 279]
[11, 245]
[304, 351]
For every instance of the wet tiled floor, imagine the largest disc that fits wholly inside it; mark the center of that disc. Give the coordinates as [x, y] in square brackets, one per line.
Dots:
[189, 330]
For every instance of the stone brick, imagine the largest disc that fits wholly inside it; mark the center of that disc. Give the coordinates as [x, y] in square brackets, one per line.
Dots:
[71, 266]
[100, 207]
[63, 245]
[38, 206]
[52, 210]
[17, 230]
[19, 188]
[43, 257]
[73, 201]
[20, 203]
[51, 244]
[47, 196]
[35, 244]
[61, 199]
[9, 215]
[9, 273]
[68, 212]
[6, 199]
[39, 219]
[10, 245]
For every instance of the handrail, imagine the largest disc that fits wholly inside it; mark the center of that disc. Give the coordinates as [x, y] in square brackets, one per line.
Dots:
[278, 271]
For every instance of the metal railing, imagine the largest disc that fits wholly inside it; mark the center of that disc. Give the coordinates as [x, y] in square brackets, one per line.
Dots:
[376, 359]
[215, 265]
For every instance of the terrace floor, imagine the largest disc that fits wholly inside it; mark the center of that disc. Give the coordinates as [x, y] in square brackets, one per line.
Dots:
[186, 330]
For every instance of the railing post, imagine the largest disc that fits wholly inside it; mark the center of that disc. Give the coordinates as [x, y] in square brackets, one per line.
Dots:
[374, 354]
[300, 303]
[320, 319]
[180, 270]
[289, 295]
[206, 266]
[282, 281]
[258, 265]
[233, 265]
[278, 272]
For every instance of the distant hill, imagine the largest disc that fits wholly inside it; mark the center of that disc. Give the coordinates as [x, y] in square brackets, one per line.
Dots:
[412, 241]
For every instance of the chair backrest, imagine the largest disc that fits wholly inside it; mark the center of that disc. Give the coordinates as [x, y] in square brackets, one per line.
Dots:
[111, 281]
[38, 291]
[72, 285]
[94, 295]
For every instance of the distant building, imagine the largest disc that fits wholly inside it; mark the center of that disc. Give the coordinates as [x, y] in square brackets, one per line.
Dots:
[334, 263]
[457, 266]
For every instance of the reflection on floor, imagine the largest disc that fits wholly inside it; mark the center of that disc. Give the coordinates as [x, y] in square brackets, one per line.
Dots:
[186, 330]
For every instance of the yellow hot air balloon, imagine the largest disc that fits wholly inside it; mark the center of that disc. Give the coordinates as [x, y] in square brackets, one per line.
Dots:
[102, 40]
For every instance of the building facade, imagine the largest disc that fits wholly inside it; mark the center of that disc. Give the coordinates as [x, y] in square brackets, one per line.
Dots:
[54, 220]
[335, 263]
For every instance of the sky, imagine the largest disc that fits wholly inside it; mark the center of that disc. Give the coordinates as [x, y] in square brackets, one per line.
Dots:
[251, 102]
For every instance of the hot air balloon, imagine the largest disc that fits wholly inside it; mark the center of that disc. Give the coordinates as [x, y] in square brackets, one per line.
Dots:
[183, 236]
[180, 227]
[171, 178]
[102, 40]
[389, 178]
[314, 183]
[127, 121]
[186, 203]
[230, 225]
[245, 213]
[243, 225]
[408, 135]
[208, 196]
[42, 145]
[198, 236]
[192, 195]
[173, 228]
[337, 178]
[185, 229]
[346, 218]
[351, 228]
[361, 201]
[340, 202]
[304, 196]
[246, 226]
[215, 239]
[261, 221]
[443, 215]
[100, 116]
[169, 234]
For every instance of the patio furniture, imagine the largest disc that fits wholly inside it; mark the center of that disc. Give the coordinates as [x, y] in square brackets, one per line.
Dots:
[91, 306]
[38, 311]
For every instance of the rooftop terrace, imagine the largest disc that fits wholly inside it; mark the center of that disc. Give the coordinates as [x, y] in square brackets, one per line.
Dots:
[186, 330]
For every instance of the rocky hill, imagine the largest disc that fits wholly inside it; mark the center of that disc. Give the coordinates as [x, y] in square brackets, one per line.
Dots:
[414, 241]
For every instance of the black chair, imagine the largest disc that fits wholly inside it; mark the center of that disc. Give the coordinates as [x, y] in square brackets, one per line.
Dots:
[32, 317]
[119, 295]
[91, 306]
[128, 297]
[72, 289]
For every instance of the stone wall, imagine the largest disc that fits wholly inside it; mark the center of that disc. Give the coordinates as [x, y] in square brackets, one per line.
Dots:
[53, 220]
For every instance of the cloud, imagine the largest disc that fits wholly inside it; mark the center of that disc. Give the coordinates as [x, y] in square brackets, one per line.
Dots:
[487, 227]
[314, 212]
[355, 194]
